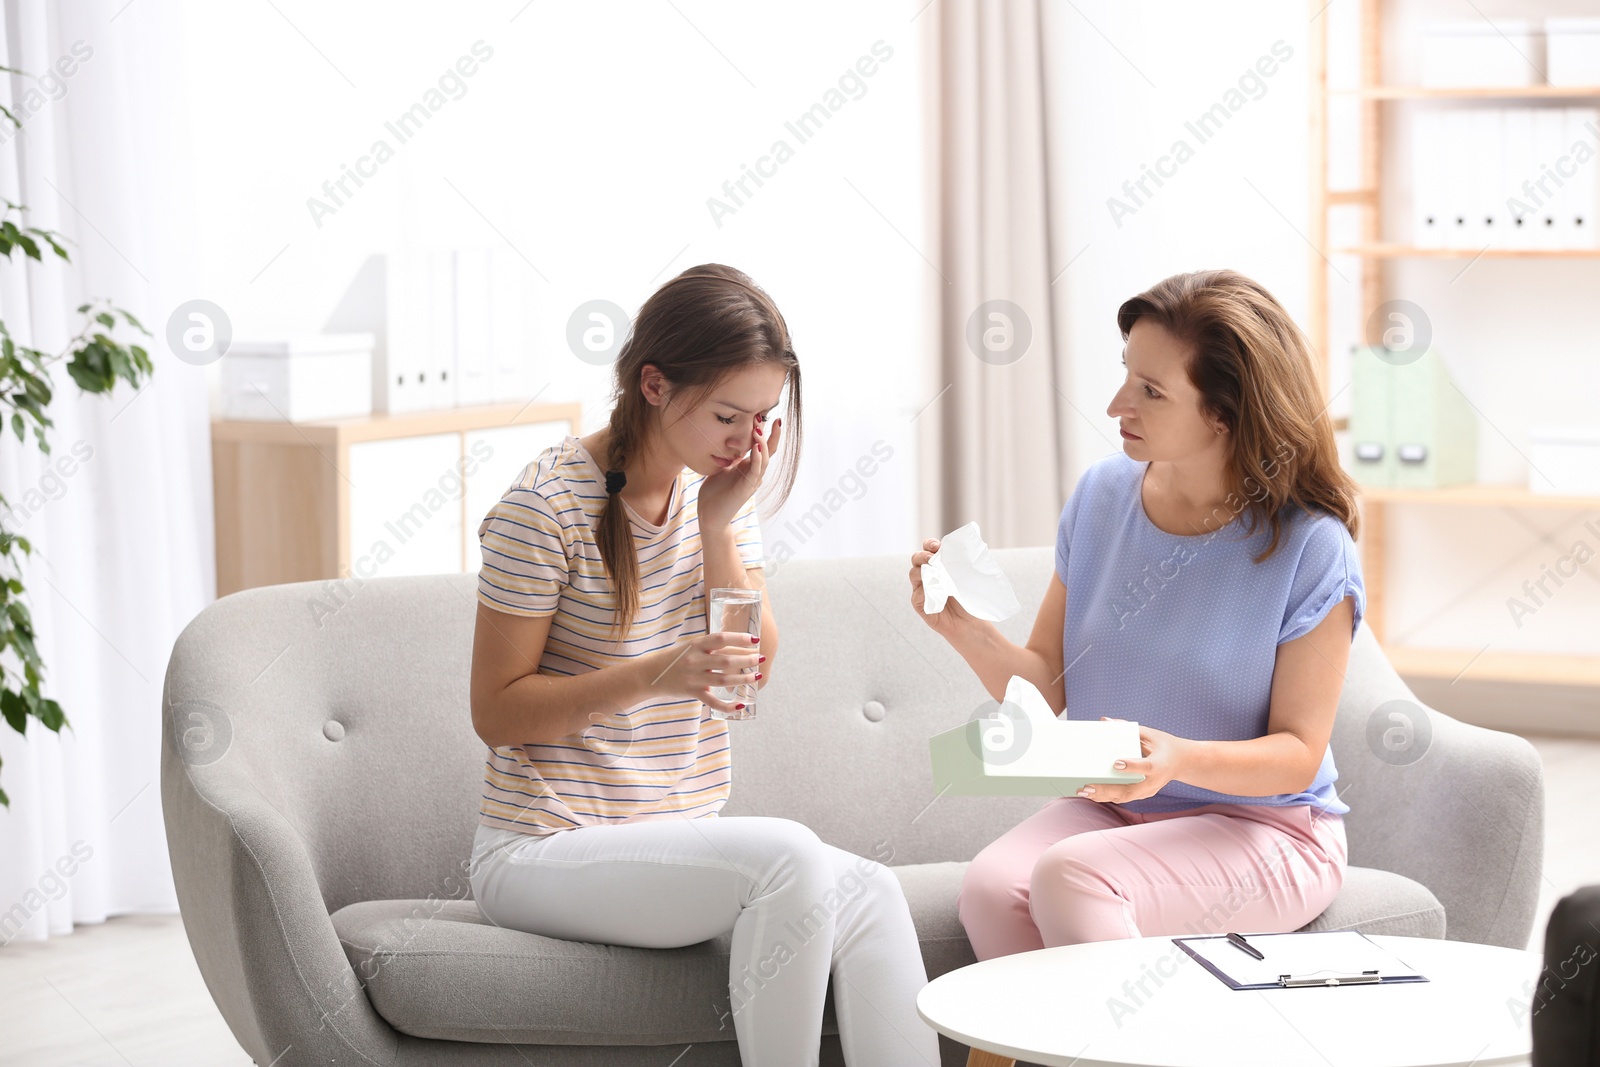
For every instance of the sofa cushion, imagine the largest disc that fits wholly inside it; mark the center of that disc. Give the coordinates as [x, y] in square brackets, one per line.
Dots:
[1382, 902]
[439, 969]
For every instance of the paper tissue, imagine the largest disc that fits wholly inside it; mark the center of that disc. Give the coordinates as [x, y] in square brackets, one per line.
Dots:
[965, 569]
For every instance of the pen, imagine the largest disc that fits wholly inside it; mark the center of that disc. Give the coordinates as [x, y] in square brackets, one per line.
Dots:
[1245, 946]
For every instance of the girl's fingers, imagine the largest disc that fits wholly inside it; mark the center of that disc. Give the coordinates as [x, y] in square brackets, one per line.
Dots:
[725, 639]
[712, 702]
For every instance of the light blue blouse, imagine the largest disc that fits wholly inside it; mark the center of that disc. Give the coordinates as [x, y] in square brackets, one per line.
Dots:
[1181, 632]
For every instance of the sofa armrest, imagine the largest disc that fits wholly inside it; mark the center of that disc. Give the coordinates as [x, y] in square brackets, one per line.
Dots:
[1462, 812]
[257, 923]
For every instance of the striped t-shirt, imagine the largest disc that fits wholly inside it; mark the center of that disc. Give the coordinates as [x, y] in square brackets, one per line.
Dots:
[655, 760]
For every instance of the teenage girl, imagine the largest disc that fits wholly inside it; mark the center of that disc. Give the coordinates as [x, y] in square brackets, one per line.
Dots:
[591, 686]
[1215, 590]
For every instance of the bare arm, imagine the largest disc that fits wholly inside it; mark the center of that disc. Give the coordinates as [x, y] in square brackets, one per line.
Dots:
[513, 704]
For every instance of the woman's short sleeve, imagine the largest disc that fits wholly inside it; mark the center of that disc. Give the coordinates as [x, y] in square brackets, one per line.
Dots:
[1069, 515]
[747, 535]
[525, 563]
[1329, 570]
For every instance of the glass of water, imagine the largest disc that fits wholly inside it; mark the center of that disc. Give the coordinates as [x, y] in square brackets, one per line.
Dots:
[736, 610]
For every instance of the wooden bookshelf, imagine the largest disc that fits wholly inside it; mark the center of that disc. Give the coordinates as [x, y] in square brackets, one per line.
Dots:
[1493, 665]
[1399, 251]
[1509, 495]
[1507, 92]
[1373, 97]
[288, 507]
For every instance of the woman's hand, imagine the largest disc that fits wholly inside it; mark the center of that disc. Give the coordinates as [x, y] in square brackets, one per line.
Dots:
[954, 618]
[725, 492]
[683, 670]
[1165, 754]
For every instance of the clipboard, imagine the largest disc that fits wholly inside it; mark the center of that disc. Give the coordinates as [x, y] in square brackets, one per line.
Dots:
[1299, 960]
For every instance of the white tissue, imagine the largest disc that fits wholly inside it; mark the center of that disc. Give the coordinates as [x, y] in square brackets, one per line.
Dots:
[1023, 695]
[965, 569]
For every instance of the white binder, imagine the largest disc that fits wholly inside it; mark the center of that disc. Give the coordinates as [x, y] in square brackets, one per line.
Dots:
[1520, 164]
[510, 329]
[439, 365]
[1458, 159]
[1549, 133]
[1582, 128]
[405, 333]
[473, 314]
[1427, 180]
[1485, 222]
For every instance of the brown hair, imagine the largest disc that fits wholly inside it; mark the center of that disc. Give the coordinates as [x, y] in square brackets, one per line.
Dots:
[1252, 366]
[699, 327]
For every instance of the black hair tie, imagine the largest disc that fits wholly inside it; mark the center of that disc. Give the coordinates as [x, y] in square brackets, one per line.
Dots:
[615, 480]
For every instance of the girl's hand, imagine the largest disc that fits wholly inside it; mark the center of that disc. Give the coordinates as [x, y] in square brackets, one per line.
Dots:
[954, 617]
[1165, 754]
[683, 670]
[725, 492]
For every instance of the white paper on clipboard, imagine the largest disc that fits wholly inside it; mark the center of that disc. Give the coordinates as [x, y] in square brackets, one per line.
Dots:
[1299, 955]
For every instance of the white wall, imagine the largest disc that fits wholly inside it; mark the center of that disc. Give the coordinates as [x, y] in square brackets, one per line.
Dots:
[591, 141]
[1131, 76]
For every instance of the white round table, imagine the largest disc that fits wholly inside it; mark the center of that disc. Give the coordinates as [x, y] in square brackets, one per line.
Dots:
[1146, 1003]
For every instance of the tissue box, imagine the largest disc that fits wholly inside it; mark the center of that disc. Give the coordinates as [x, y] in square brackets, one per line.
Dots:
[1504, 53]
[1409, 426]
[1026, 751]
[1569, 456]
[1573, 51]
[299, 379]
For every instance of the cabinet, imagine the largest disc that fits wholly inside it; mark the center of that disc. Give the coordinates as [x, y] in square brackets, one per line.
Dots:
[376, 496]
[1375, 249]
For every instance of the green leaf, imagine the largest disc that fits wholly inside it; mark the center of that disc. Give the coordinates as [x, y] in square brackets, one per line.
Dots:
[30, 246]
[84, 307]
[51, 715]
[14, 710]
[134, 322]
[16, 424]
[106, 320]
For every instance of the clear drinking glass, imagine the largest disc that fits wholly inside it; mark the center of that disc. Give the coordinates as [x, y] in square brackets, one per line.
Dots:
[736, 610]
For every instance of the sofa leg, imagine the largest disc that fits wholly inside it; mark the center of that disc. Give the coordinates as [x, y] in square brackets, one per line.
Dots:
[979, 1058]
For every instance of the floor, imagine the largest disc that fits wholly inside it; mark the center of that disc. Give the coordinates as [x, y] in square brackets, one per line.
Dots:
[127, 992]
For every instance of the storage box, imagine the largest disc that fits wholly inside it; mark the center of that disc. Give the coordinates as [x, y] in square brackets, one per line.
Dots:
[1024, 750]
[1409, 426]
[1564, 460]
[1502, 53]
[1572, 48]
[299, 379]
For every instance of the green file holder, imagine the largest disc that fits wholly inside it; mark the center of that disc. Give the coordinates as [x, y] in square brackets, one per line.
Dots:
[1409, 426]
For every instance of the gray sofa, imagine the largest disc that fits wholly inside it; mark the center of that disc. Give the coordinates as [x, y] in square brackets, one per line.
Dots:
[321, 778]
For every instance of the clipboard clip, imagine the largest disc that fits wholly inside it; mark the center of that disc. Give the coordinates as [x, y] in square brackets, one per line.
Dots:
[1288, 981]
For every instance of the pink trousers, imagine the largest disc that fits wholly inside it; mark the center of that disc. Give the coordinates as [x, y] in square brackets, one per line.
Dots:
[1079, 871]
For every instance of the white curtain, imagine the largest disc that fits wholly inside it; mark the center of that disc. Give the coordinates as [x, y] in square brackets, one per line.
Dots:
[120, 513]
[993, 446]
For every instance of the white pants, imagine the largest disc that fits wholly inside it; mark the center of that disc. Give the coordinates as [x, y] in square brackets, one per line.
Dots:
[798, 909]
